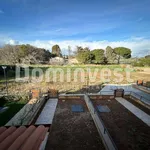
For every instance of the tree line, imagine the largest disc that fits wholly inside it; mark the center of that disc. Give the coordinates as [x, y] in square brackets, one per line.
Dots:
[27, 54]
[100, 56]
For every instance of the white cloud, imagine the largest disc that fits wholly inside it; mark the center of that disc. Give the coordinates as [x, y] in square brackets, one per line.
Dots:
[6, 40]
[13, 42]
[139, 45]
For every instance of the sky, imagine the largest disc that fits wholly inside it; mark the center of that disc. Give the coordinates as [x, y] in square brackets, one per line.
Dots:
[87, 23]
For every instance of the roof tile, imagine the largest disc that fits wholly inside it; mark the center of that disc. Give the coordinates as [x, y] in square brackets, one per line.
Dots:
[6, 133]
[34, 139]
[10, 139]
[2, 129]
[22, 138]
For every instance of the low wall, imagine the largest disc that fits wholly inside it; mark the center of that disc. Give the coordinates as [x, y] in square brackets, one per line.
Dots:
[108, 142]
[81, 96]
[27, 114]
[101, 97]
[71, 97]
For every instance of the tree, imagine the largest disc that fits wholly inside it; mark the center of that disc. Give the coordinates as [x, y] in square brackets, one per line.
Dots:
[142, 62]
[23, 51]
[147, 56]
[12, 54]
[84, 57]
[56, 50]
[98, 56]
[9, 54]
[69, 51]
[110, 55]
[86, 49]
[81, 49]
[122, 52]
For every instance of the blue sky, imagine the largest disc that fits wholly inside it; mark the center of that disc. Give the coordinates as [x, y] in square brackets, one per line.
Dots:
[85, 22]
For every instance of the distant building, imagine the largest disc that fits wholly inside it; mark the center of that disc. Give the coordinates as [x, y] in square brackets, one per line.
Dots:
[56, 61]
[73, 61]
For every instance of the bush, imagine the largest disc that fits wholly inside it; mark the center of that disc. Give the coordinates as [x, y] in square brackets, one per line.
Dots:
[2, 101]
[142, 62]
[148, 84]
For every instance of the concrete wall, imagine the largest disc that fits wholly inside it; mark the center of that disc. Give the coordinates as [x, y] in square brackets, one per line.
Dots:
[27, 114]
[108, 142]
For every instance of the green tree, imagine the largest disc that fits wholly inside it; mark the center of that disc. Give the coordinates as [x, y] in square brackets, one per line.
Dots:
[99, 56]
[122, 52]
[81, 49]
[142, 62]
[110, 55]
[84, 57]
[56, 50]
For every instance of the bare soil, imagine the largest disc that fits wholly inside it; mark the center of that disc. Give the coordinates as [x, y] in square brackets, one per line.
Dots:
[127, 131]
[73, 130]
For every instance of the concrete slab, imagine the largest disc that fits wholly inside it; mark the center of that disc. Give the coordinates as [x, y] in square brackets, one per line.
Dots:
[136, 111]
[103, 108]
[47, 114]
[77, 108]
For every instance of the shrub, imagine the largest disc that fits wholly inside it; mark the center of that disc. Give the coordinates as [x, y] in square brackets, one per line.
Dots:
[2, 101]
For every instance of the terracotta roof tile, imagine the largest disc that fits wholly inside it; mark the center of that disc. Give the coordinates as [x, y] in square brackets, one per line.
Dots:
[10, 139]
[22, 138]
[34, 139]
[2, 129]
[6, 133]
[41, 138]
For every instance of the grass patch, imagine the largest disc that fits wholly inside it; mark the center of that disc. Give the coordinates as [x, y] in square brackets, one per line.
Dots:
[14, 107]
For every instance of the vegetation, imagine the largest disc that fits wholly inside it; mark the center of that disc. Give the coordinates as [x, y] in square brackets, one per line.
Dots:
[56, 51]
[84, 57]
[98, 56]
[142, 62]
[110, 55]
[26, 54]
[122, 52]
[14, 104]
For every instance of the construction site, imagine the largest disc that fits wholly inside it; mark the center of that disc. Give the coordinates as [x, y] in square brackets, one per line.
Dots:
[106, 120]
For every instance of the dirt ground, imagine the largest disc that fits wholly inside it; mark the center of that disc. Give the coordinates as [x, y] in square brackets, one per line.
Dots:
[127, 131]
[142, 73]
[73, 130]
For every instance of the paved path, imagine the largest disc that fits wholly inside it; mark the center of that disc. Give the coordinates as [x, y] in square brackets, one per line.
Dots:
[136, 111]
[47, 114]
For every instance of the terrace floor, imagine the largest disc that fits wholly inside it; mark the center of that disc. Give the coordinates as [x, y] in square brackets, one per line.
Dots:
[73, 130]
[127, 131]
[109, 90]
